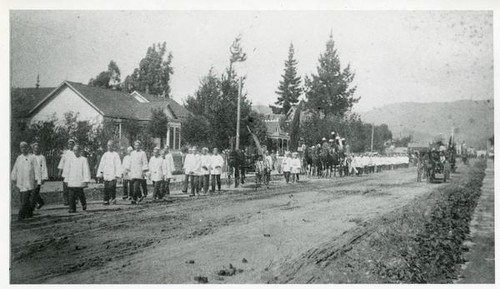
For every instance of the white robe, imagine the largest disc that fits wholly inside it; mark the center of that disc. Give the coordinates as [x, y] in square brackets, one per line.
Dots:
[125, 166]
[205, 164]
[77, 173]
[41, 173]
[110, 166]
[217, 163]
[23, 172]
[63, 163]
[156, 168]
[295, 166]
[192, 164]
[168, 165]
[285, 164]
[138, 164]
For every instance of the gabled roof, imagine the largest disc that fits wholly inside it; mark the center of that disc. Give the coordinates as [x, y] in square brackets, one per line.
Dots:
[24, 99]
[117, 104]
[174, 107]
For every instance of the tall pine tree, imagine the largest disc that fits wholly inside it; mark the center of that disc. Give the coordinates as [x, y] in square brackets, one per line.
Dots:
[153, 74]
[289, 89]
[330, 91]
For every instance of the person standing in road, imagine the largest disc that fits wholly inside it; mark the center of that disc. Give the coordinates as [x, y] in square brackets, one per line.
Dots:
[259, 171]
[295, 167]
[66, 157]
[168, 170]
[110, 169]
[191, 163]
[268, 161]
[285, 166]
[217, 162]
[41, 174]
[197, 170]
[77, 174]
[156, 173]
[137, 170]
[206, 166]
[127, 182]
[24, 177]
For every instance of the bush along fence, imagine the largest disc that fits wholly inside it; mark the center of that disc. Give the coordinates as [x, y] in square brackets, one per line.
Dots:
[424, 243]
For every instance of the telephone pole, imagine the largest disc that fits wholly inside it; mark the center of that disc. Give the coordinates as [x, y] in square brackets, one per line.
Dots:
[238, 115]
[373, 129]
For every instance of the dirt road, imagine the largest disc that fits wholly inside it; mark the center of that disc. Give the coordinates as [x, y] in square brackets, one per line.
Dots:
[257, 232]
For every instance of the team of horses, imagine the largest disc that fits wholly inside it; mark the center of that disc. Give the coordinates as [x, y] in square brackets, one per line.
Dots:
[325, 161]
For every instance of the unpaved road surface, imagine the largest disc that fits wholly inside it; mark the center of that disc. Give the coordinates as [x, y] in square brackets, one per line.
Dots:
[174, 242]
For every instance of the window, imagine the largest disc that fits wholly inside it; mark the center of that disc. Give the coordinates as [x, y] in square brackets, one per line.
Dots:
[171, 137]
[178, 137]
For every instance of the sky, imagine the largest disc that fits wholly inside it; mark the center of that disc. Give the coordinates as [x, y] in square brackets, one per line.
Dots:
[398, 56]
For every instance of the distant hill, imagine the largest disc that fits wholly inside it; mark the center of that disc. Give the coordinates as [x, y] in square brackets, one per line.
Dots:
[473, 120]
[260, 108]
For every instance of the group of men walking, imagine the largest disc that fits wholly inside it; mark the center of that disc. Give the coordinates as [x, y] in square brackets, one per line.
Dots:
[201, 169]
[30, 171]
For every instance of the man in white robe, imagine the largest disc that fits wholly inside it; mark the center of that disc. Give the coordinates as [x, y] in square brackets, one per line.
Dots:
[137, 170]
[127, 181]
[77, 175]
[168, 170]
[206, 166]
[66, 156]
[156, 173]
[110, 170]
[217, 162]
[24, 177]
[41, 174]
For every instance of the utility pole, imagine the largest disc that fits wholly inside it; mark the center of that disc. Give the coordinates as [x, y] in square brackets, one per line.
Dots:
[238, 116]
[373, 129]
[237, 55]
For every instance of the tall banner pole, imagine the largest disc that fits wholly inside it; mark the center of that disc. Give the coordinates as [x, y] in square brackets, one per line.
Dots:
[238, 116]
[373, 129]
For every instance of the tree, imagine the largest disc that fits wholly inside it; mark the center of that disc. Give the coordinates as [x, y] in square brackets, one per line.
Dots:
[204, 99]
[158, 124]
[215, 106]
[154, 72]
[330, 91]
[109, 78]
[196, 131]
[295, 129]
[289, 88]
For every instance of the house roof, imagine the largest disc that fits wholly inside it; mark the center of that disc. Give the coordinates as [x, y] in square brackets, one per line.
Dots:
[118, 104]
[24, 99]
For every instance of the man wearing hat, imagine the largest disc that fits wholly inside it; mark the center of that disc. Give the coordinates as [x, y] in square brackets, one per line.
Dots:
[41, 173]
[168, 168]
[66, 157]
[77, 174]
[157, 174]
[24, 177]
[127, 182]
[217, 162]
[191, 168]
[137, 170]
[110, 170]
[206, 166]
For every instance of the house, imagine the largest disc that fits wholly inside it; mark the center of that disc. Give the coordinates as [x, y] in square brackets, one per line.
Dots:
[96, 105]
